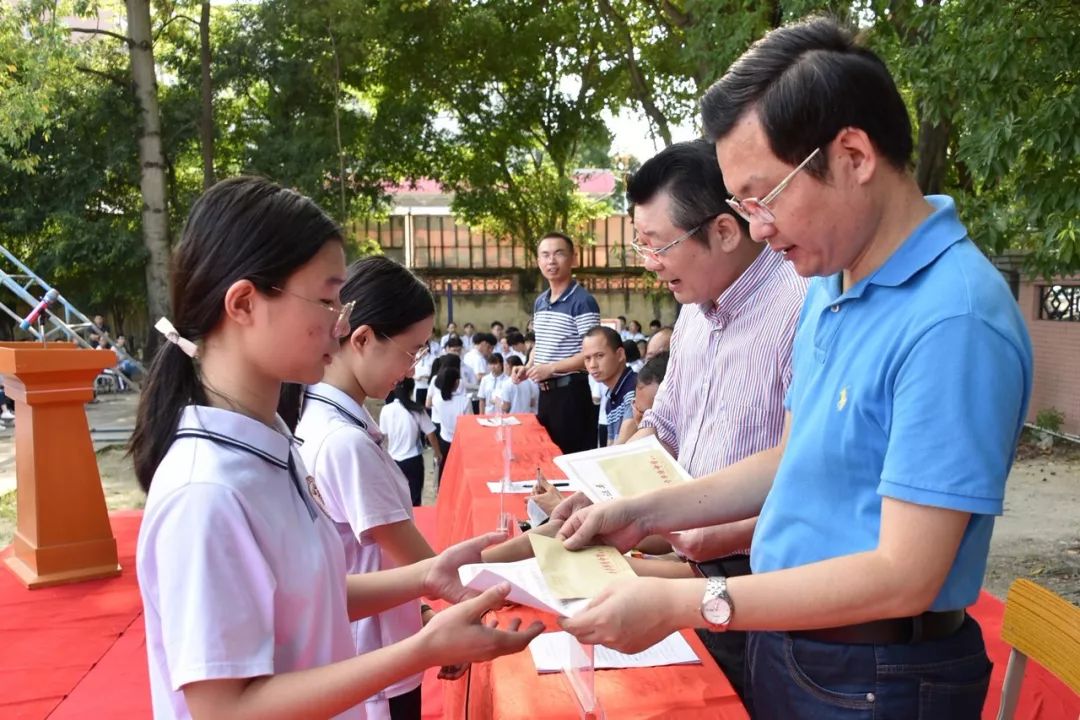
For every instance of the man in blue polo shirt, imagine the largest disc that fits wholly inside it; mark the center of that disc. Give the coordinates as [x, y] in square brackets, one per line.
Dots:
[561, 316]
[911, 379]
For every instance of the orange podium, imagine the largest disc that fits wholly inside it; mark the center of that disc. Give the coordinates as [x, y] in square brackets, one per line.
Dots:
[63, 532]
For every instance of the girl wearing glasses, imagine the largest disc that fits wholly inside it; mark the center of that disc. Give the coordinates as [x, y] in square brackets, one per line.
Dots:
[363, 489]
[242, 574]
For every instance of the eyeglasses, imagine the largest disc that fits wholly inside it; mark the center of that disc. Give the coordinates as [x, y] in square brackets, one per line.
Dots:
[416, 357]
[647, 253]
[751, 209]
[341, 325]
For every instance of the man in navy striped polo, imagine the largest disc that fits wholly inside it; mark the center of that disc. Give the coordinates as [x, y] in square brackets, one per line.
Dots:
[561, 316]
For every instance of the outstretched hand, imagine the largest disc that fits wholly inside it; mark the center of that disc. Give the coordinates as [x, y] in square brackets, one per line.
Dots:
[459, 635]
[442, 580]
[610, 523]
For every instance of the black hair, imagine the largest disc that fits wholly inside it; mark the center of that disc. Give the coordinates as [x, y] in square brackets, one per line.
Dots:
[487, 337]
[443, 361]
[631, 349]
[623, 318]
[514, 338]
[403, 393]
[469, 324]
[243, 228]
[554, 234]
[612, 338]
[635, 322]
[388, 298]
[447, 380]
[654, 324]
[496, 358]
[530, 337]
[690, 176]
[497, 323]
[513, 329]
[514, 361]
[808, 81]
[654, 369]
[454, 341]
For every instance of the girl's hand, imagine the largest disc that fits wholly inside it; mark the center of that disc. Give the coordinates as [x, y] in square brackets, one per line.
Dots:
[459, 634]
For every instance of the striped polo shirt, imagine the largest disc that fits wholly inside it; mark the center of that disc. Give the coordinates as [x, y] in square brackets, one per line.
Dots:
[722, 398]
[560, 325]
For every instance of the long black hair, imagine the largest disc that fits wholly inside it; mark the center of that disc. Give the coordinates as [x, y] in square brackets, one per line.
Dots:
[389, 299]
[447, 380]
[403, 393]
[244, 228]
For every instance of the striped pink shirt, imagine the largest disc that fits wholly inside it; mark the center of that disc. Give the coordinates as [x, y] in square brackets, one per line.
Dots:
[723, 396]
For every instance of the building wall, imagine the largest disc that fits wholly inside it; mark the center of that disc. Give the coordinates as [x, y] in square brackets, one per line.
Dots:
[1056, 345]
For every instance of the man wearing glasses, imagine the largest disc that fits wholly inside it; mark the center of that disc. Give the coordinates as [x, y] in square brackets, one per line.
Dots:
[722, 398]
[562, 315]
[877, 507]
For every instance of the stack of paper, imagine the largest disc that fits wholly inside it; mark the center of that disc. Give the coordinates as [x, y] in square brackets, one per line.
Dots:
[623, 471]
[549, 653]
[497, 420]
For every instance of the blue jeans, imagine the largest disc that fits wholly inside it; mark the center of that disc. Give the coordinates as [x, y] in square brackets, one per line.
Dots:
[793, 678]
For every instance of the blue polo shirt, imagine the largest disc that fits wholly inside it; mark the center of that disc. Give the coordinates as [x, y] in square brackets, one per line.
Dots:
[913, 385]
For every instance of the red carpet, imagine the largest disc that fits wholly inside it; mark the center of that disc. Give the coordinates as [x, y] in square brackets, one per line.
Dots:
[78, 651]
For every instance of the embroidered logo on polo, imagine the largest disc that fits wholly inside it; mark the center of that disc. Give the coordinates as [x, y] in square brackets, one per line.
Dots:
[842, 402]
[313, 490]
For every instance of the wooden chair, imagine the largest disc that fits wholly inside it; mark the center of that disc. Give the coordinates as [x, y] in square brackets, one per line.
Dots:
[1045, 627]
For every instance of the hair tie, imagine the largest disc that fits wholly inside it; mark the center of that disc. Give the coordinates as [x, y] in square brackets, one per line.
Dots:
[166, 328]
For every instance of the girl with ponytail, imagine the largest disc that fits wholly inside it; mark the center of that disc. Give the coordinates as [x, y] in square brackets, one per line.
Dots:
[242, 575]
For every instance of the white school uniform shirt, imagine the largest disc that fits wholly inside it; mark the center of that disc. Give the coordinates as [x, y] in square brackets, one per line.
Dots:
[516, 353]
[526, 395]
[476, 362]
[636, 365]
[241, 573]
[422, 372]
[403, 430]
[448, 411]
[493, 388]
[362, 488]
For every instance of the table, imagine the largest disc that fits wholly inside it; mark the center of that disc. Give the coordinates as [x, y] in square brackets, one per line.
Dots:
[509, 687]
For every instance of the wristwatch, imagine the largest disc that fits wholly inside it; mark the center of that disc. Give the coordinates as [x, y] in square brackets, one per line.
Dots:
[716, 606]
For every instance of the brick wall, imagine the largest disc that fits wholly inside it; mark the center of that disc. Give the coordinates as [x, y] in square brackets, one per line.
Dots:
[1057, 357]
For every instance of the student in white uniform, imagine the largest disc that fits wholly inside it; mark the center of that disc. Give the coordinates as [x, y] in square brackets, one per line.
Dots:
[363, 489]
[496, 392]
[406, 424]
[245, 595]
[449, 403]
[526, 394]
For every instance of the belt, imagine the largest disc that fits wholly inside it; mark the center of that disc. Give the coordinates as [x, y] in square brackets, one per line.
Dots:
[562, 381]
[895, 631]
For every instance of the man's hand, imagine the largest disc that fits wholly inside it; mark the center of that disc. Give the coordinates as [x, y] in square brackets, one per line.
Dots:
[629, 616]
[459, 635]
[569, 506]
[442, 581]
[612, 523]
[542, 372]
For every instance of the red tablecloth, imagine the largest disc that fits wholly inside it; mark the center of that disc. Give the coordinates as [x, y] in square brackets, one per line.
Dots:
[510, 687]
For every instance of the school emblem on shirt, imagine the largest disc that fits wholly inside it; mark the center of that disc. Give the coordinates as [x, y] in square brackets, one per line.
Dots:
[313, 490]
[842, 402]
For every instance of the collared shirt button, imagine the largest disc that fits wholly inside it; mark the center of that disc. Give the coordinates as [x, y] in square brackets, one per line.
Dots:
[835, 308]
[870, 697]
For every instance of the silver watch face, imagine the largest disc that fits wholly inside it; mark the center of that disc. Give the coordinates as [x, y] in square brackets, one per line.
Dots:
[717, 611]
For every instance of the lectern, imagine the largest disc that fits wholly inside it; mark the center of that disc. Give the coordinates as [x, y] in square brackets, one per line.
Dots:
[63, 533]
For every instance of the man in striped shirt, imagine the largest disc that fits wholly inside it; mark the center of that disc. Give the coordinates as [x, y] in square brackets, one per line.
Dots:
[561, 316]
[722, 398]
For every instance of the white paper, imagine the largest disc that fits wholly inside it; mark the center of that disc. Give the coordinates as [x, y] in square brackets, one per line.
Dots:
[585, 468]
[497, 421]
[527, 585]
[549, 653]
[537, 514]
[524, 487]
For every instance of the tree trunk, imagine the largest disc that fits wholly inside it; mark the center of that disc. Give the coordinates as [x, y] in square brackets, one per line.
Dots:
[932, 153]
[206, 121]
[152, 184]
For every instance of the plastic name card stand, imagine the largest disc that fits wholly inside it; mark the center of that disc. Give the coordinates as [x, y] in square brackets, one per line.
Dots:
[504, 433]
[579, 671]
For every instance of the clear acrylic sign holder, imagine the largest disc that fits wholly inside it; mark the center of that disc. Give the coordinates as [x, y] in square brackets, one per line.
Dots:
[504, 434]
[579, 672]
